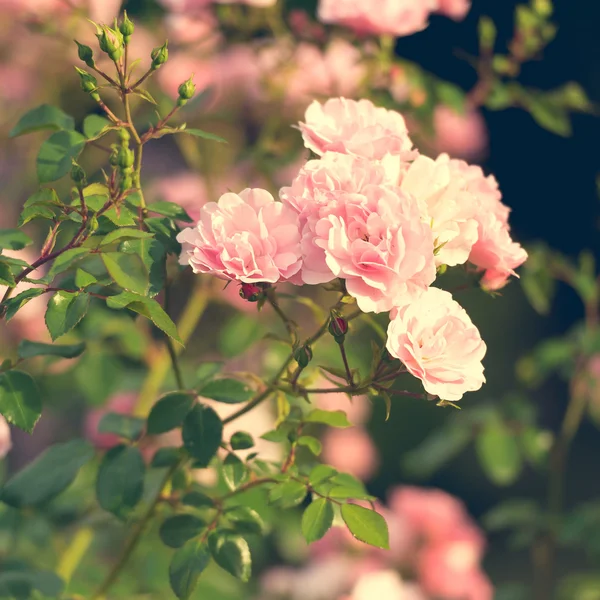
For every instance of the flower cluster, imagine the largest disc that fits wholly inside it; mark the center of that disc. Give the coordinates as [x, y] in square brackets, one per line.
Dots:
[434, 543]
[375, 213]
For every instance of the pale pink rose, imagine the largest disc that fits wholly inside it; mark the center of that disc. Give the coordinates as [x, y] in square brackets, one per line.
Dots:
[186, 189]
[431, 513]
[5, 440]
[123, 404]
[355, 228]
[495, 252]
[450, 568]
[358, 128]
[350, 451]
[385, 585]
[460, 135]
[437, 342]
[247, 237]
[394, 17]
[447, 206]
[455, 9]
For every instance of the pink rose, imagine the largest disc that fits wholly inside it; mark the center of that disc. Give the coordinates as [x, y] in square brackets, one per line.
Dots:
[393, 17]
[385, 585]
[5, 441]
[461, 135]
[450, 568]
[455, 9]
[191, 5]
[354, 228]
[122, 404]
[495, 252]
[355, 127]
[350, 451]
[247, 237]
[438, 343]
[447, 206]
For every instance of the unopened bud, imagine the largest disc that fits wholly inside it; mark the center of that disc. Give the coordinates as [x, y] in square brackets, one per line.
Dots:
[113, 158]
[124, 134]
[338, 328]
[303, 356]
[250, 292]
[88, 82]
[125, 157]
[78, 176]
[159, 56]
[111, 41]
[187, 89]
[126, 28]
[86, 54]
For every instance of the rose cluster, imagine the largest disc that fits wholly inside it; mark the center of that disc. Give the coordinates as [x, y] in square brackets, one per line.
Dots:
[375, 213]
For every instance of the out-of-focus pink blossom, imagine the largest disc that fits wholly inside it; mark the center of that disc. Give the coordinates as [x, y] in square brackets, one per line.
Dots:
[460, 135]
[33, 7]
[446, 204]
[354, 228]
[122, 404]
[186, 189]
[202, 27]
[455, 9]
[450, 569]
[17, 83]
[350, 451]
[438, 343]
[247, 237]
[104, 11]
[495, 252]
[358, 128]
[385, 585]
[5, 440]
[191, 5]
[392, 17]
[182, 66]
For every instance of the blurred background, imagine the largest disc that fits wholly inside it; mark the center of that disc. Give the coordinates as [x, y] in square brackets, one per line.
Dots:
[548, 180]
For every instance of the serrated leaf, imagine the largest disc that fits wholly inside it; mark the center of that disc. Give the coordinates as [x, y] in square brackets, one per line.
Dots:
[366, 525]
[20, 400]
[42, 117]
[202, 433]
[228, 391]
[153, 255]
[287, 494]
[333, 418]
[169, 412]
[316, 520]
[170, 209]
[127, 270]
[14, 239]
[95, 126]
[84, 279]
[65, 310]
[66, 260]
[231, 552]
[29, 349]
[35, 211]
[246, 520]
[6, 275]
[125, 426]
[13, 305]
[48, 475]
[57, 154]
[321, 474]
[186, 566]
[234, 471]
[176, 531]
[120, 482]
[124, 233]
[146, 95]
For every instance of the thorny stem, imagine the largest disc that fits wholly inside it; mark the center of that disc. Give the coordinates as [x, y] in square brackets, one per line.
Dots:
[349, 376]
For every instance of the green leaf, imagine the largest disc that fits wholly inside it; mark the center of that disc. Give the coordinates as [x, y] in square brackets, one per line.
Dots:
[35, 211]
[170, 209]
[333, 418]
[148, 308]
[287, 494]
[197, 499]
[166, 457]
[120, 482]
[6, 275]
[125, 426]
[241, 440]
[127, 270]
[153, 255]
[124, 233]
[202, 433]
[95, 126]
[13, 305]
[20, 581]
[20, 400]
[169, 412]
[321, 474]
[487, 33]
[317, 519]
[65, 310]
[515, 513]
[146, 95]
[48, 475]
[57, 154]
[228, 391]
[366, 525]
[205, 135]
[66, 260]
[165, 231]
[176, 531]
[14, 239]
[234, 471]
[246, 520]
[42, 117]
[186, 566]
[231, 553]
[84, 279]
[29, 349]
[207, 371]
[98, 375]
[239, 334]
[498, 452]
[312, 443]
